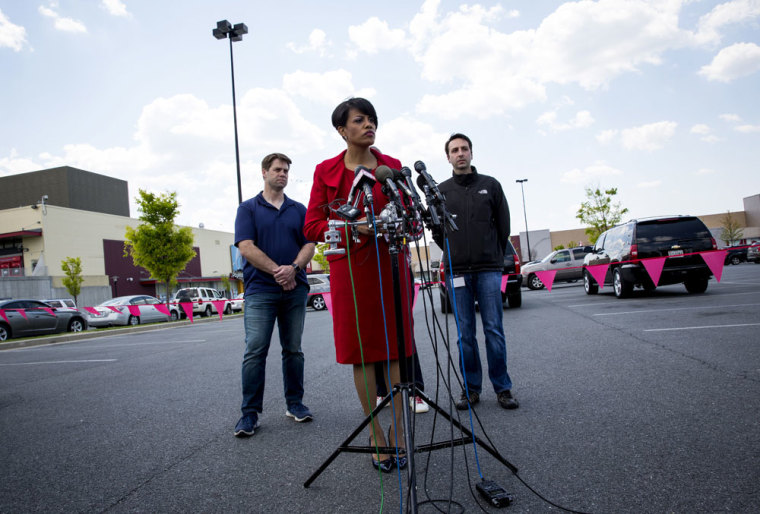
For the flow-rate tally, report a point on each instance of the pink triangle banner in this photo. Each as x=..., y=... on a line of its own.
x=547, y=277
x=92, y=310
x=219, y=304
x=714, y=261
x=49, y=310
x=134, y=310
x=598, y=272
x=23, y=314
x=162, y=308
x=328, y=302
x=115, y=309
x=654, y=268
x=188, y=308
x=2, y=313
x=416, y=292
x=504, y=279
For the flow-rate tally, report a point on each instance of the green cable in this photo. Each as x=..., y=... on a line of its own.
x=364, y=370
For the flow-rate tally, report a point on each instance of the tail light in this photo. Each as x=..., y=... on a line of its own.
x=635, y=251
x=517, y=266
x=715, y=246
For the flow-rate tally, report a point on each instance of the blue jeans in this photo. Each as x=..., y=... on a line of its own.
x=261, y=311
x=485, y=286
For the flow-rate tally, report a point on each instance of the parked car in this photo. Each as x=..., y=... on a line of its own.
x=319, y=285
x=753, y=253
x=512, y=295
x=677, y=238
x=736, y=255
x=24, y=318
x=120, y=314
x=202, y=299
x=237, y=303
x=61, y=303
x=567, y=262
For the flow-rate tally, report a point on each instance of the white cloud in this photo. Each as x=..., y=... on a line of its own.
x=116, y=8
x=374, y=35
x=727, y=13
x=731, y=118
x=733, y=62
x=62, y=23
x=595, y=171
x=410, y=140
x=747, y=129
x=318, y=43
x=11, y=36
x=648, y=137
x=582, y=119
x=705, y=133
x=650, y=184
x=329, y=88
x=607, y=136
x=705, y=171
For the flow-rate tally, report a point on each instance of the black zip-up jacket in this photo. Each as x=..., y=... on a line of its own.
x=482, y=215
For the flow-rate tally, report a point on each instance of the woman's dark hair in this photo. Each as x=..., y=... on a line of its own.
x=340, y=114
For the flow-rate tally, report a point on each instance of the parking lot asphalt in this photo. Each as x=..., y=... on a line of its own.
x=648, y=404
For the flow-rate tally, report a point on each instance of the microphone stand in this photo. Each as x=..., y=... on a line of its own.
x=405, y=388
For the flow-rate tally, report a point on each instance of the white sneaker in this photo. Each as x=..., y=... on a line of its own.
x=419, y=405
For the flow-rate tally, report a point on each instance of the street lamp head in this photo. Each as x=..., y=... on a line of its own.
x=520, y=181
x=218, y=34
x=224, y=26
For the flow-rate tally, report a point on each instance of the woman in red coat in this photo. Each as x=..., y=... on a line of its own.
x=361, y=335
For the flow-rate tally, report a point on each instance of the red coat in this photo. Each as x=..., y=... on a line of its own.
x=332, y=181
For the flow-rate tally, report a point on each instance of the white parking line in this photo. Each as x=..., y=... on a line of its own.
x=674, y=309
x=618, y=302
x=55, y=362
x=705, y=326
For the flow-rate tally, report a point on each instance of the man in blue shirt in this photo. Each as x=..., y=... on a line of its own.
x=269, y=235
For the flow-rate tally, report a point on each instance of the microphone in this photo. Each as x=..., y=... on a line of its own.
x=422, y=184
x=363, y=181
x=412, y=191
x=385, y=176
x=420, y=168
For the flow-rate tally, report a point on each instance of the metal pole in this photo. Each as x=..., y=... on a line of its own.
x=234, y=117
x=525, y=215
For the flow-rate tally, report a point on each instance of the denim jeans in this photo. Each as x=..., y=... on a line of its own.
x=261, y=311
x=485, y=286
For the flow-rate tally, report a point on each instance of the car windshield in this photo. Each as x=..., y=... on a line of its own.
x=672, y=230
x=114, y=301
x=549, y=257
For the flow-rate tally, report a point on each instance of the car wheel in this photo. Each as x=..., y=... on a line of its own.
x=589, y=284
x=735, y=260
x=228, y=310
x=76, y=325
x=445, y=303
x=318, y=302
x=622, y=288
x=174, y=315
x=534, y=282
x=514, y=300
x=5, y=332
x=207, y=312
x=133, y=320
x=696, y=285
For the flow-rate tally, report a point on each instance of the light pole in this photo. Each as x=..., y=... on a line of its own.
x=224, y=29
x=525, y=215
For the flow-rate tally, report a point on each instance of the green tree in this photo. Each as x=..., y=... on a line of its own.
x=225, y=282
x=732, y=231
x=599, y=213
x=319, y=257
x=72, y=267
x=157, y=244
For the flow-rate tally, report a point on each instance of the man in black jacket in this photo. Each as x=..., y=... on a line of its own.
x=474, y=257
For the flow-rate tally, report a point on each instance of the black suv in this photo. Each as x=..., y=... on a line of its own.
x=678, y=238
x=513, y=294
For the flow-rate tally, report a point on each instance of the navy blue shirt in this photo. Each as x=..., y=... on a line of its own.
x=276, y=232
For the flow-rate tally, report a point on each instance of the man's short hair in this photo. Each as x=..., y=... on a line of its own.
x=267, y=161
x=457, y=136
x=340, y=114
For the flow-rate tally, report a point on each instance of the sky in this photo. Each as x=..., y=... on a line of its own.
x=658, y=98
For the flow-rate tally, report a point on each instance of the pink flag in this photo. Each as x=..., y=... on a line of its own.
x=654, y=268
x=49, y=310
x=598, y=271
x=92, y=310
x=504, y=279
x=23, y=314
x=715, y=262
x=547, y=277
x=134, y=310
x=219, y=304
x=162, y=308
x=115, y=309
x=416, y=291
x=328, y=302
x=2, y=313
x=188, y=308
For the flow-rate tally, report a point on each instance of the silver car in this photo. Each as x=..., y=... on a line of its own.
x=126, y=310
x=567, y=263
x=319, y=285
x=24, y=318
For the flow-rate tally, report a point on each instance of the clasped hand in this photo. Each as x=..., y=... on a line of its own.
x=285, y=276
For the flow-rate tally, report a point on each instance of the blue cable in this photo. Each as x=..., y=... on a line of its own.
x=450, y=280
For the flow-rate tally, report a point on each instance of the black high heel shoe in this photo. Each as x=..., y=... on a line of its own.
x=401, y=461
x=386, y=466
